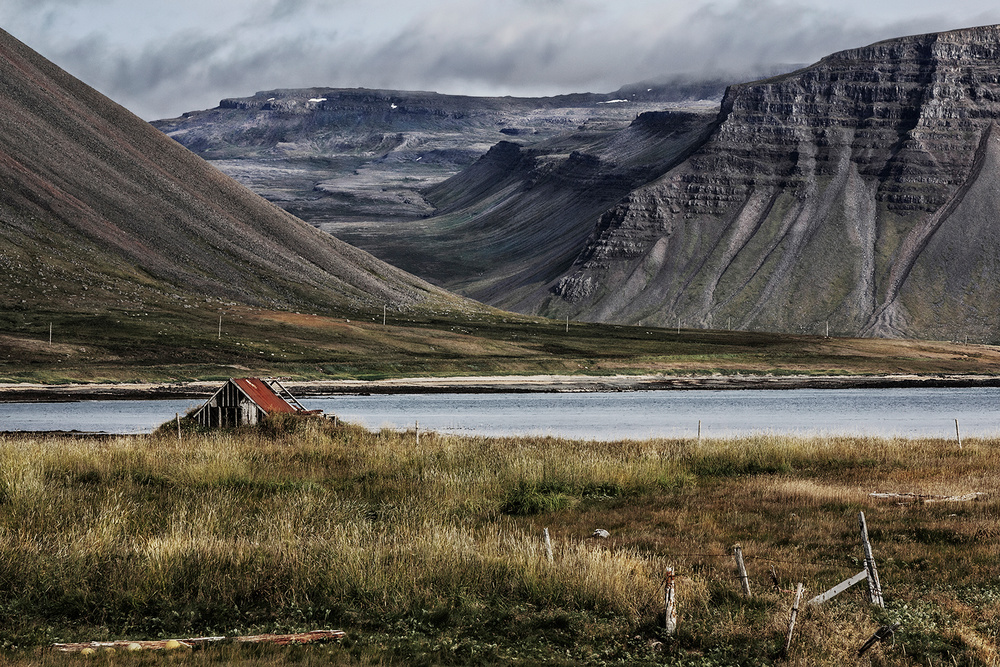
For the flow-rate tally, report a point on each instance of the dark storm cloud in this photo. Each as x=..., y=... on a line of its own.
x=503, y=47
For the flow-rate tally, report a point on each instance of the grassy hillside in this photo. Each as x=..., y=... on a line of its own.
x=432, y=554
x=182, y=342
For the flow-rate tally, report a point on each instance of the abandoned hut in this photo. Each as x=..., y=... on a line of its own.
x=245, y=401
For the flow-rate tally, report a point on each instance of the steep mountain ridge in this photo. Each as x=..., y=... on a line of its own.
x=859, y=191
x=101, y=210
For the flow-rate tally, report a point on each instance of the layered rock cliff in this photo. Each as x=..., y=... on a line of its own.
x=861, y=191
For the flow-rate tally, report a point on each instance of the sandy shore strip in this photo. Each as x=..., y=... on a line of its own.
x=494, y=384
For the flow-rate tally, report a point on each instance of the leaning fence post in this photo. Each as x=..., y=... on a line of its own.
x=178, y=415
x=741, y=569
x=791, y=621
x=548, y=544
x=880, y=635
x=670, y=604
x=958, y=435
x=874, y=586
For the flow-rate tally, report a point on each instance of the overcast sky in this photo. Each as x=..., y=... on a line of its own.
x=160, y=58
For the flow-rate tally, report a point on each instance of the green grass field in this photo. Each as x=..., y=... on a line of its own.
x=433, y=554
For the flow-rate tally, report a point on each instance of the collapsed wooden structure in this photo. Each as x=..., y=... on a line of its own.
x=245, y=402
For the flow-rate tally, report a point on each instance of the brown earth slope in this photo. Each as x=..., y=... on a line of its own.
x=98, y=209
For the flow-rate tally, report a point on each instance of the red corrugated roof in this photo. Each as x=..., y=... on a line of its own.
x=262, y=394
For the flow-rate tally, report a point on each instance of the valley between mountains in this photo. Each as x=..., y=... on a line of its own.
x=858, y=193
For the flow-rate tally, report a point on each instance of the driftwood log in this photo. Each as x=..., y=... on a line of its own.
x=314, y=636
x=927, y=498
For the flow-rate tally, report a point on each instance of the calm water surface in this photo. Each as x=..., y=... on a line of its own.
x=607, y=416
x=602, y=416
x=92, y=416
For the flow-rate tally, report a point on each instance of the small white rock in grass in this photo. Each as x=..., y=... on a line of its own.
x=134, y=647
x=601, y=533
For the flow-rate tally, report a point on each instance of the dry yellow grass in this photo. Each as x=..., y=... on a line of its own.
x=413, y=549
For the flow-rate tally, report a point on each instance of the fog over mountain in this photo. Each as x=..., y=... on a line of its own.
x=161, y=59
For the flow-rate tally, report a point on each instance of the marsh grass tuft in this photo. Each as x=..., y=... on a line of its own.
x=433, y=554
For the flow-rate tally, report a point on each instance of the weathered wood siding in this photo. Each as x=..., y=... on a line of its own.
x=229, y=407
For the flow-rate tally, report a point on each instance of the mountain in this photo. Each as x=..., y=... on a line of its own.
x=859, y=193
x=856, y=193
x=100, y=210
x=356, y=161
x=519, y=216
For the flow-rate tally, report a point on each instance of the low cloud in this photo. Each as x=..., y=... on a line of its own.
x=512, y=47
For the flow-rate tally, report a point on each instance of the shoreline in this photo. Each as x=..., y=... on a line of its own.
x=28, y=392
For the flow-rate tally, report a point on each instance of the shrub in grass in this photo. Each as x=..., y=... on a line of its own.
x=527, y=499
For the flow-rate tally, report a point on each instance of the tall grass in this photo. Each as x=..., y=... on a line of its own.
x=300, y=525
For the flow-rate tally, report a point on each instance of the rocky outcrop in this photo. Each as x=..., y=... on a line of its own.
x=860, y=191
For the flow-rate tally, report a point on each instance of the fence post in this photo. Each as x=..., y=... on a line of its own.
x=874, y=586
x=880, y=635
x=795, y=613
x=178, y=416
x=670, y=604
x=958, y=434
x=741, y=569
x=548, y=544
